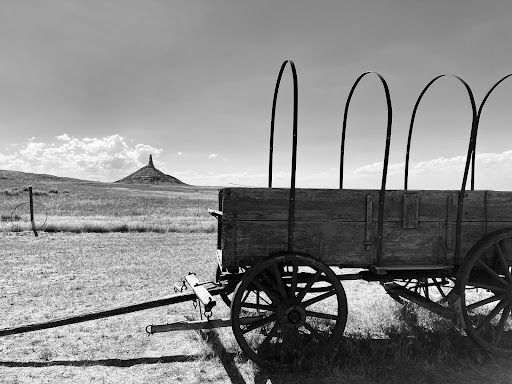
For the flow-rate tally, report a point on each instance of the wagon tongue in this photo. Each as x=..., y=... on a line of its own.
x=209, y=288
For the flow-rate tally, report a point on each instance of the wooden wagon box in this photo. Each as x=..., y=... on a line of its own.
x=340, y=226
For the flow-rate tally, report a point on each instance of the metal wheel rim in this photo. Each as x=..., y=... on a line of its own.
x=284, y=316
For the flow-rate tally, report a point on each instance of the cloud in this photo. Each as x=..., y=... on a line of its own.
x=223, y=179
x=105, y=159
x=376, y=168
x=493, y=171
x=63, y=137
x=212, y=156
x=441, y=164
x=254, y=179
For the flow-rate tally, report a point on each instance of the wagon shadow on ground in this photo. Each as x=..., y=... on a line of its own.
x=122, y=363
x=377, y=367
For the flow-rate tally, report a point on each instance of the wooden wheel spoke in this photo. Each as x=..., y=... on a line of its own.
x=246, y=295
x=321, y=315
x=441, y=292
x=318, y=298
x=283, y=352
x=309, y=284
x=269, y=337
x=315, y=333
x=261, y=298
x=502, y=323
x=293, y=286
x=258, y=323
x=503, y=262
x=262, y=307
x=491, y=316
x=279, y=280
x=265, y=289
x=484, y=302
x=440, y=285
x=492, y=273
x=425, y=290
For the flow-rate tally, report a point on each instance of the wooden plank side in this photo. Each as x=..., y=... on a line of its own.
x=431, y=205
x=412, y=245
x=350, y=205
x=472, y=232
x=499, y=206
x=410, y=213
x=338, y=244
x=245, y=243
x=228, y=245
x=331, y=224
x=310, y=204
x=487, y=206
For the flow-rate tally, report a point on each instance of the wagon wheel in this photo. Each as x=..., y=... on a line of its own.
x=288, y=308
x=436, y=289
x=485, y=284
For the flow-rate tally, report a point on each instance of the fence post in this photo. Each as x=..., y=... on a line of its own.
x=32, y=211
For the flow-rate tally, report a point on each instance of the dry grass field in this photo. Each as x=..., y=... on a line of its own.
x=108, y=245
x=101, y=207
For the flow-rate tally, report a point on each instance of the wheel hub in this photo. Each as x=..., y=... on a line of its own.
x=291, y=313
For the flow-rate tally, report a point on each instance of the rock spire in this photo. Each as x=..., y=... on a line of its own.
x=150, y=175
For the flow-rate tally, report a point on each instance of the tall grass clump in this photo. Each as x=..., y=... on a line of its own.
x=11, y=192
x=10, y=218
x=121, y=227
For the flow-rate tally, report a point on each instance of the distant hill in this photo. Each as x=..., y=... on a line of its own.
x=37, y=177
x=150, y=175
x=146, y=175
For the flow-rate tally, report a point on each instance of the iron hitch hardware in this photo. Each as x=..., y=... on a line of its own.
x=180, y=287
x=201, y=292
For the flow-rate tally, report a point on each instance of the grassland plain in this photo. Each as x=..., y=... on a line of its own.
x=106, y=207
x=63, y=273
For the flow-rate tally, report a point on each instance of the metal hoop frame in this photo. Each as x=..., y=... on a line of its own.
x=474, y=123
x=470, y=159
x=382, y=193
x=473, y=157
x=291, y=209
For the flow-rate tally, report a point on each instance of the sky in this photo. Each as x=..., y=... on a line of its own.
x=89, y=89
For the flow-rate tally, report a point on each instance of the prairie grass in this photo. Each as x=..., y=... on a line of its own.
x=63, y=274
x=103, y=208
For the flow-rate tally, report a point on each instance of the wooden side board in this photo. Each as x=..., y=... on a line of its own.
x=340, y=226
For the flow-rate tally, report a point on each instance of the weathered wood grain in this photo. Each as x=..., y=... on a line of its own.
x=410, y=211
x=333, y=224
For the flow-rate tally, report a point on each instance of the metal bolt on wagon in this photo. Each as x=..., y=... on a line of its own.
x=283, y=254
